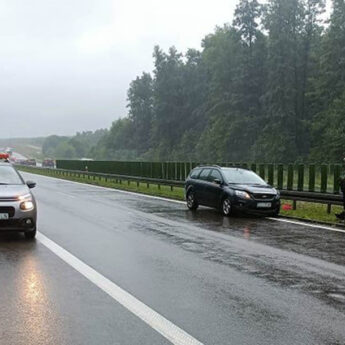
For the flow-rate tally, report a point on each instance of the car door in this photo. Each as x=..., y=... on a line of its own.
x=201, y=185
x=213, y=190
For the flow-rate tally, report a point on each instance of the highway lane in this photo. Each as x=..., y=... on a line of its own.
x=222, y=280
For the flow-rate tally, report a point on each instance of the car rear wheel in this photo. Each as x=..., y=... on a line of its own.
x=226, y=207
x=192, y=204
x=29, y=235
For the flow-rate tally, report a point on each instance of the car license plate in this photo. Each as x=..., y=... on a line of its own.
x=4, y=216
x=264, y=205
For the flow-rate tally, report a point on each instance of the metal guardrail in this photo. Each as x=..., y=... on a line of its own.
x=322, y=198
x=323, y=178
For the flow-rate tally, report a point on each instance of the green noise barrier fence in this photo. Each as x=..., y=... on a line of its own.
x=322, y=178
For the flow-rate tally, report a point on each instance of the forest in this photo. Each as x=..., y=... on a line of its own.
x=269, y=87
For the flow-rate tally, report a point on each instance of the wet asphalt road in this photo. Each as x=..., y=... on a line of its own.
x=223, y=280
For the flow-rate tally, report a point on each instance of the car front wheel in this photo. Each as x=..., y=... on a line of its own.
x=191, y=201
x=226, y=207
x=29, y=235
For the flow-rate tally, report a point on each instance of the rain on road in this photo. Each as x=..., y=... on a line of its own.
x=239, y=280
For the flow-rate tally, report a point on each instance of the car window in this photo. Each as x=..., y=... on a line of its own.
x=241, y=176
x=215, y=175
x=8, y=175
x=204, y=174
x=195, y=173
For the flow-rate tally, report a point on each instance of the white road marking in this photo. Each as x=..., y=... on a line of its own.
x=114, y=189
x=65, y=194
x=300, y=223
x=156, y=321
x=306, y=224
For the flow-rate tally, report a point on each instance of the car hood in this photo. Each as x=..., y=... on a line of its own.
x=255, y=189
x=11, y=191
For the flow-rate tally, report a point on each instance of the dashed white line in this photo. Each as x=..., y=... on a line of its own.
x=156, y=321
x=66, y=194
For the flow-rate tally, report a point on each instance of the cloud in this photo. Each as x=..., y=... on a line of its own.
x=65, y=65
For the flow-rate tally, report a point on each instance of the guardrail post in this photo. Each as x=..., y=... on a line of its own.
x=324, y=178
x=159, y=186
x=336, y=178
x=270, y=174
x=253, y=167
x=300, y=182
x=280, y=176
x=312, y=178
x=329, y=208
x=262, y=171
x=138, y=184
x=171, y=188
x=290, y=177
x=294, y=205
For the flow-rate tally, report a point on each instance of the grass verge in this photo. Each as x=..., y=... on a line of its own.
x=305, y=210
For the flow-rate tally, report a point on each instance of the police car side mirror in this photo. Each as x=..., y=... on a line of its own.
x=31, y=184
x=217, y=181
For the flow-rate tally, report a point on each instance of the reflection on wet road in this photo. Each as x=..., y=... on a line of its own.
x=223, y=280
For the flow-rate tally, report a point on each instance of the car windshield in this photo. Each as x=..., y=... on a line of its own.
x=240, y=176
x=8, y=175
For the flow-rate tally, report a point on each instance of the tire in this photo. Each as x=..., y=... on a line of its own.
x=192, y=204
x=30, y=235
x=226, y=207
x=276, y=212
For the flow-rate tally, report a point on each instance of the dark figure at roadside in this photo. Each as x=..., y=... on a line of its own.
x=341, y=215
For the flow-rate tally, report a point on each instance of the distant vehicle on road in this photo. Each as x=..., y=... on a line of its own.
x=31, y=162
x=231, y=189
x=18, y=210
x=48, y=163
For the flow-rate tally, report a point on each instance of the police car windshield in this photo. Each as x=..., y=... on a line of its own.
x=240, y=176
x=8, y=175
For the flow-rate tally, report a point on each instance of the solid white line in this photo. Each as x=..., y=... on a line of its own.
x=156, y=321
x=113, y=189
x=182, y=202
x=306, y=224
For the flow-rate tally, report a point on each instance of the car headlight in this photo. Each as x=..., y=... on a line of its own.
x=242, y=194
x=278, y=194
x=27, y=205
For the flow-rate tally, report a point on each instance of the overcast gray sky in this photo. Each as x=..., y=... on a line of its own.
x=65, y=65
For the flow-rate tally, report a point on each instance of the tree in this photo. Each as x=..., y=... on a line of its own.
x=140, y=105
x=284, y=23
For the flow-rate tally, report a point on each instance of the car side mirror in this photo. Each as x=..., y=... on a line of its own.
x=31, y=184
x=217, y=181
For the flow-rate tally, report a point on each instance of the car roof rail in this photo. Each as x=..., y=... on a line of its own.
x=208, y=166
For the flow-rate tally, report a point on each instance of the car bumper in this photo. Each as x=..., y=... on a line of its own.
x=21, y=225
x=251, y=206
x=19, y=220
